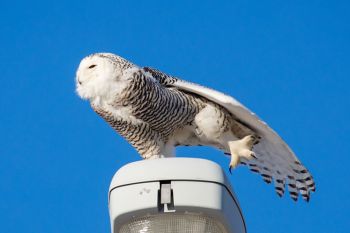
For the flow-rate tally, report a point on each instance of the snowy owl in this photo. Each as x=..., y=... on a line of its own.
x=156, y=112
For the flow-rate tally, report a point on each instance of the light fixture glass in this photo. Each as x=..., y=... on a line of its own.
x=173, y=223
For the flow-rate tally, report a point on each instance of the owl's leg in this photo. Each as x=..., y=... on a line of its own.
x=241, y=148
x=153, y=156
x=160, y=151
x=157, y=156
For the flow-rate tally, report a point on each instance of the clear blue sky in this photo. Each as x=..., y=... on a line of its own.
x=288, y=62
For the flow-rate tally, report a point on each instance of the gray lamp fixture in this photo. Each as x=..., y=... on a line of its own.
x=173, y=195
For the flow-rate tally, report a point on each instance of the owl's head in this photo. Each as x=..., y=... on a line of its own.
x=100, y=76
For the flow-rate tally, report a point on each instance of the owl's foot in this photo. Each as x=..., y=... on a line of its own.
x=152, y=156
x=242, y=148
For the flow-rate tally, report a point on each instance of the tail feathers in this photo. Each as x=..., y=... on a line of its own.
x=296, y=178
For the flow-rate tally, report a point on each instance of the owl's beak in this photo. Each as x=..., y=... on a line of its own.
x=80, y=82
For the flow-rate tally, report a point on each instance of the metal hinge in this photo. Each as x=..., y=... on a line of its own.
x=166, y=197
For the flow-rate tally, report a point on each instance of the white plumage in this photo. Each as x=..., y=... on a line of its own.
x=156, y=112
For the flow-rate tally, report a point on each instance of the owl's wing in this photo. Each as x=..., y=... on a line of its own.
x=275, y=160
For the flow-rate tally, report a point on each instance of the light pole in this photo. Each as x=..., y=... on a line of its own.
x=173, y=195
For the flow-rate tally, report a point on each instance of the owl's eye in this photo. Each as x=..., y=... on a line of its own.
x=92, y=66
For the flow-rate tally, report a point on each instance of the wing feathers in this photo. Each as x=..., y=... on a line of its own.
x=275, y=161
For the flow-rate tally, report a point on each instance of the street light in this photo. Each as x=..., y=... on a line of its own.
x=173, y=195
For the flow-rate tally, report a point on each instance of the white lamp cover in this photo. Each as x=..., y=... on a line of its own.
x=173, y=195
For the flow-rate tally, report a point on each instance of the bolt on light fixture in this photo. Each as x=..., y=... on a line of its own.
x=171, y=195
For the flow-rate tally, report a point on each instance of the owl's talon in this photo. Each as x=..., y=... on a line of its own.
x=253, y=155
x=241, y=149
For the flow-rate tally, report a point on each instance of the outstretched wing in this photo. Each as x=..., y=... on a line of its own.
x=275, y=160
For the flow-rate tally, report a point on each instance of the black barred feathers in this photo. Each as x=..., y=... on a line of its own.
x=162, y=78
x=296, y=177
x=156, y=113
x=162, y=108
